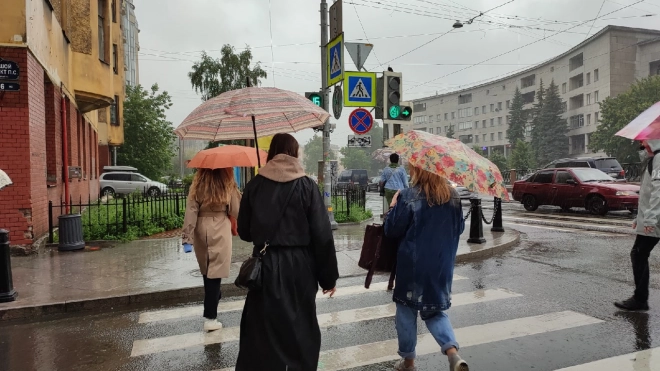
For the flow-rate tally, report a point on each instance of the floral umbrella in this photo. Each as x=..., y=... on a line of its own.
x=645, y=126
x=251, y=112
x=452, y=159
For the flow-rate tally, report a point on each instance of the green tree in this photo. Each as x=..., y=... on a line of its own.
x=450, y=132
x=313, y=153
x=522, y=157
x=355, y=158
x=498, y=159
x=537, y=114
x=212, y=77
x=516, y=130
x=615, y=113
x=551, y=129
x=148, y=136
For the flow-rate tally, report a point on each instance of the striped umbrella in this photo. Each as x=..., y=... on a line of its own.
x=251, y=112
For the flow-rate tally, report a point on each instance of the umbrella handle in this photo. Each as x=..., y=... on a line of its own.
x=256, y=142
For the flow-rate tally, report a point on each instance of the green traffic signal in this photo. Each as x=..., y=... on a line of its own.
x=406, y=112
x=395, y=111
x=316, y=98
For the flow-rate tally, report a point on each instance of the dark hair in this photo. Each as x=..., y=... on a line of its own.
x=283, y=144
x=394, y=158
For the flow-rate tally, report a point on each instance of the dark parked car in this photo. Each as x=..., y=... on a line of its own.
x=374, y=182
x=462, y=191
x=608, y=165
x=352, y=178
x=576, y=187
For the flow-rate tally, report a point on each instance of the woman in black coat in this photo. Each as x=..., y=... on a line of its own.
x=279, y=328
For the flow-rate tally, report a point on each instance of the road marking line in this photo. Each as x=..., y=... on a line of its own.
x=647, y=360
x=231, y=306
x=582, y=231
x=385, y=351
x=150, y=346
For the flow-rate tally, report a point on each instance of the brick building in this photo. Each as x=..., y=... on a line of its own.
x=65, y=111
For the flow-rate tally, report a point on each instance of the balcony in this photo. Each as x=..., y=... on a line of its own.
x=576, y=62
x=576, y=82
x=576, y=102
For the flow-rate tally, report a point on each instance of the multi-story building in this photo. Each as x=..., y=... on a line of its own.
x=63, y=79
x=130, y=30
x=604, y=65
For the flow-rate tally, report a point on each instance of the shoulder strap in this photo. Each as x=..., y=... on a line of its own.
x=279, y=220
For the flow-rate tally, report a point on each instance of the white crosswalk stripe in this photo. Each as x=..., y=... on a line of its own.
x=149, y=346
x=383, y=350
x=230, y=306
x=646, y=360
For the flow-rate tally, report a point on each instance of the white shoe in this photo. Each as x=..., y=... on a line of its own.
x=212, y=325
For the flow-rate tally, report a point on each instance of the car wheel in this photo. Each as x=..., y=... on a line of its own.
x=530, y=203
x=107, y=191
x=153, y=192
x=597, y=205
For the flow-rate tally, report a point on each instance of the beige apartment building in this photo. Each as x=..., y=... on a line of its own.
x=604, y=65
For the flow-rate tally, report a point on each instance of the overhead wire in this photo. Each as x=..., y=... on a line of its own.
x=272, y=52
x=592, y=23
x=364, y=31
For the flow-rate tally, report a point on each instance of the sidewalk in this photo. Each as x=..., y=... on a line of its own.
x=146, y=271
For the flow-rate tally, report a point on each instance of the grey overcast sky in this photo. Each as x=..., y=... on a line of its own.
x=173, y=32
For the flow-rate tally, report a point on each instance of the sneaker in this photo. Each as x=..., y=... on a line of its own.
x=400, y=365
x=456, y=363
x=632, y=304
x=212, y=325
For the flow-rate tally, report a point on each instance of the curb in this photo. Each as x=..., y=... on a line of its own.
x=354, y=224
x=184, y=295
x=612, y=229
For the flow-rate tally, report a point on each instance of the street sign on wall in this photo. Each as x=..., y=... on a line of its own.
x=335, y=55
x=9, y=86
x=360, y=89
x=9, y=70
x=360, y=121
x=362, y=141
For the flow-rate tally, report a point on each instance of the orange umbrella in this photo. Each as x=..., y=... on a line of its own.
x=227, y=156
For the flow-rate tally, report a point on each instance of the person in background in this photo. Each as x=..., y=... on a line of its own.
x=279, y=327
x=427, y=219
x=647, y=225
x=393, y=178
x=213, y=200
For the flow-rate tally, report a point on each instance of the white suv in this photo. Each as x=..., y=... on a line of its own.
x=125, y=180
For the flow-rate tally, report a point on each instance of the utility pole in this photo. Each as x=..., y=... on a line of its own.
x=327, y=175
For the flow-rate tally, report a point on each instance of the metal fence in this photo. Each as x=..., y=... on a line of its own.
x=345, y=199
x=113, y=216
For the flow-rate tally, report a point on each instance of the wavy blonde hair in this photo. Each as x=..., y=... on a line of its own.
x=213, y=186
x=435, y=188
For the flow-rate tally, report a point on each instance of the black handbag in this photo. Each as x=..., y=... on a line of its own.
x=249, y=276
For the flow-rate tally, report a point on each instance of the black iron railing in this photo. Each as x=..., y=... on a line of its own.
x=349, y=198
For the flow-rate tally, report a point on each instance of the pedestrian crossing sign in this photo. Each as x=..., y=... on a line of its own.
x=335, y=59
x=360, y=89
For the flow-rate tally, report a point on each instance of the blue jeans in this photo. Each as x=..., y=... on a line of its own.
x=436, y=321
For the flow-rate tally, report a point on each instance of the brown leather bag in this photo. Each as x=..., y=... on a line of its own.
x=378, y=254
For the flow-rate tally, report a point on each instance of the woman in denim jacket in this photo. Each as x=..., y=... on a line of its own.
x=428, y=220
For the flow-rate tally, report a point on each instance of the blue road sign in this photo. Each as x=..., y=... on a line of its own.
x=335, y=54
x=360, y=121
x=360, y=89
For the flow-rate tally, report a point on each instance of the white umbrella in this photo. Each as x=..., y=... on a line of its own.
x=4, y=180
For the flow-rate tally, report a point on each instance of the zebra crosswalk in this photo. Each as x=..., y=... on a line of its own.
x=361, y=311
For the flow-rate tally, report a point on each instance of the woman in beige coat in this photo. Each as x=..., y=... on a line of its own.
x=213, y=198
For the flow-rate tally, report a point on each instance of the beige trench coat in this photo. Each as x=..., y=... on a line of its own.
x=208, y=229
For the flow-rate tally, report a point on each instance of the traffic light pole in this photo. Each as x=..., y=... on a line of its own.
x=327, y=175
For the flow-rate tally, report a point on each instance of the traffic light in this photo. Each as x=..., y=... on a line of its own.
x=392, y=95
x=315, y=97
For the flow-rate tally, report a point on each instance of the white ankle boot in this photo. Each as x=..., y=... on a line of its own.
x=212, y=325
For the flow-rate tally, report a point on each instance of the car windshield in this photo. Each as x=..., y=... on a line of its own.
x=592, y=175
x=607, y=163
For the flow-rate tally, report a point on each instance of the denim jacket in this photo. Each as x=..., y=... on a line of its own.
x=429, y=238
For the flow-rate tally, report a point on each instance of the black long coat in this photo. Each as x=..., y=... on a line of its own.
x=279, y=327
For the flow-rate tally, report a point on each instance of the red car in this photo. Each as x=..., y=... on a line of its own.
x=576, y=187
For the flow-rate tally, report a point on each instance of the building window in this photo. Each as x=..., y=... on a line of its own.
x=476, y=139
x=438, y=130
x=596, y=75
x=483, y=123
x=114, y=112
x=576, y=82
x=563, y=88
x=499, y=136
x=499, y=121
x=483, y=109
x=577, y=121
x=476, y=111
x=431, y=130
x=596, y=118
x=465, y=126
x=596, y=96
x=492, y=107
x=499, y=106
x=589, y=119
x=446, y=116
x=453, y=115
x=576, y=62
x=492, y=122
x=476, y=124
x=113, y=9
x=485, y=138
x=589, y=99
x=654, y=68
x=487, y=91
x=508, y=104
x=577, y=102
x=528, y=81
x=439, y=118
x=115, y=59
x=528, y=97
x=430, y=119
x=564, y=107
x=446, y=128
x=492, y=137
x=464, y=98
x=588, y=78
x=102, y=38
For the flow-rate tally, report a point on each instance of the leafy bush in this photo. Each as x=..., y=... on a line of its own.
x=357, y=215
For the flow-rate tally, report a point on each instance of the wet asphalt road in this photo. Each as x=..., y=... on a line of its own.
x=552, y=271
